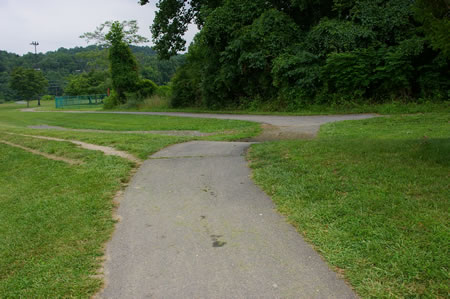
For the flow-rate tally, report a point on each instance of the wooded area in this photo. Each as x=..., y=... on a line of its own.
x=82, y=70
x=285, y=54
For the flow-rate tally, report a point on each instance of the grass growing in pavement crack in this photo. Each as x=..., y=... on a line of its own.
x=372, y=196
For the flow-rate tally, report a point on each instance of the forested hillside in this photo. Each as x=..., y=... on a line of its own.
x=285, y=54
x=82, y=69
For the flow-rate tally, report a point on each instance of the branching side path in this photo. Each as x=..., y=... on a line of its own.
x=194, y=225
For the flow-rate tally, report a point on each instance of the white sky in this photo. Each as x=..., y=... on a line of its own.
x=59, y=23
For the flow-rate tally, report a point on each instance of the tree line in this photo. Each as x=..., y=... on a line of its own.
x=285, y=54
x=80, y=70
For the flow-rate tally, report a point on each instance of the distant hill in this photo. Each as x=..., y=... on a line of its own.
x=58, y=65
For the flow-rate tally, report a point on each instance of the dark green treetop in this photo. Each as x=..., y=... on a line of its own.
x=123, y=64
x=28, y=83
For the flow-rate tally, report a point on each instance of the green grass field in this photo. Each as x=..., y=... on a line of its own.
x=118, y=122
x=56, y=217
x=373, y=197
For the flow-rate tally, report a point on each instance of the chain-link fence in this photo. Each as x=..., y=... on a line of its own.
x=79, y=101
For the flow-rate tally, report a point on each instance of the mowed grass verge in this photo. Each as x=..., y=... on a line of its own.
x=56, y=217
x=373, y=197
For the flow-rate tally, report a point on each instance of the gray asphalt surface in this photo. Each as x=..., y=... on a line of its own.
x=276, y=120
x=278, y=127
x=275, y=127
x=195, y=226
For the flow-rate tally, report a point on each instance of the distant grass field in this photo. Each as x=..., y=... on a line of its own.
x=119, y=122
x=373, y=197
x=55, y=217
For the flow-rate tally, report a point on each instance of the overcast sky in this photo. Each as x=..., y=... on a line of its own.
x=59, y=23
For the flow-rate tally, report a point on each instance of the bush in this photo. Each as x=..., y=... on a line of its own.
x=186, y=88
x=48, y=98
x=348, y=74
x=164, y=91
x=155, y=102
x=298, y=78
x=111, y=101
x=145, y=88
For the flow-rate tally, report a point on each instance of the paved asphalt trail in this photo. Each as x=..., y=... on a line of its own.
x=280, y=127
x=194, y=225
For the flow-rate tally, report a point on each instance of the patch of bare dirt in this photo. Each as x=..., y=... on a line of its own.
x=159, y=132
x=48, y=156
x=101, y=272
x=28, y=110
x=274, y=133
x=105, y=149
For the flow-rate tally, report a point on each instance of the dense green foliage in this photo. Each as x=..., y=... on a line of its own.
x=129, y=88
x=28, y=83
x=288, y=54
x=123, y=64
x=82, y=70
x=92, y=82
x=172, y=19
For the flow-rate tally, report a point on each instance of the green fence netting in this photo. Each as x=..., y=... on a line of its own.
x=74, y=101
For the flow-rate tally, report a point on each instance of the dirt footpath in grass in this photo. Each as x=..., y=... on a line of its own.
x=107, y=150
x=48, y=156
x=167, y=132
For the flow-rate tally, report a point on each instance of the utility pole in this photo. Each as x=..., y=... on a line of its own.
x=35, y=44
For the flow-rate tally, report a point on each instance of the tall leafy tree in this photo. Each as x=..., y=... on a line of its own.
x=93, y=82
x=435, y=18
x=172, y=19
x=283, y=54
x=123, y=64
x=61, y=65
x=28, y=84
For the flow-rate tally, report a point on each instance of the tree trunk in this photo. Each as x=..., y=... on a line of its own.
x=28, y=104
